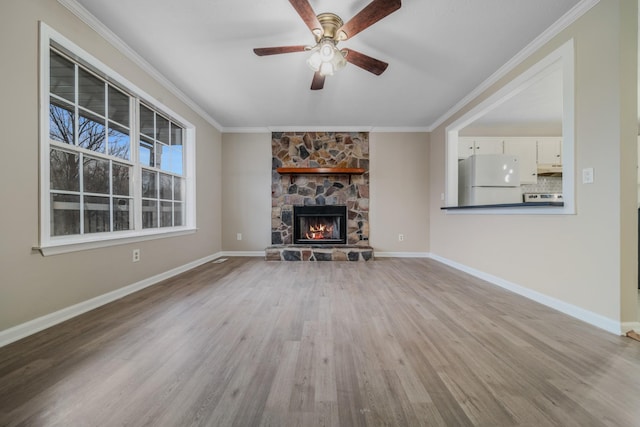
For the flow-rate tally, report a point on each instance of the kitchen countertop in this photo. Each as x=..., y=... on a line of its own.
x=505, y=205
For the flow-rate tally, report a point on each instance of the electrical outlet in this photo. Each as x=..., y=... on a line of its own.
x=239, y=236
x=400, y=237
x=136, y=255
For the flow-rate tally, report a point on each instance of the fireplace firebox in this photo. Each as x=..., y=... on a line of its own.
x=320, y=224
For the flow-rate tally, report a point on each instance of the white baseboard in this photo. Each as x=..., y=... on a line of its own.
x=401, y=254
x=375, y=253
x=587, y=316
x=243, y=253
x=36, y=325
x=630, y=326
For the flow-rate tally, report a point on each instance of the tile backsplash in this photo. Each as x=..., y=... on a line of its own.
x=546, y=184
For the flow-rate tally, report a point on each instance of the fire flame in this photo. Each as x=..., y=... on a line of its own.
x=319, y=232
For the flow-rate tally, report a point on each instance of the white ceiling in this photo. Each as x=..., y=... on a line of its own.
x=538, y=107
x=438, y=52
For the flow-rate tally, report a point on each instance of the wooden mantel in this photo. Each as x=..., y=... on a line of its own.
x=320, y=171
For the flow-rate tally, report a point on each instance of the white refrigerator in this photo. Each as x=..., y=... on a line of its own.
x=489, y=179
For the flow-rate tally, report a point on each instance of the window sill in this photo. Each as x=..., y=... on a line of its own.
x=63, y=247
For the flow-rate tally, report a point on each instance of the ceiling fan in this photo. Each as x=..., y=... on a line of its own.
x=328, y=30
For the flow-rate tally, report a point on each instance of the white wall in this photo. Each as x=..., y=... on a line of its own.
x=587, y=260
x=31, y=285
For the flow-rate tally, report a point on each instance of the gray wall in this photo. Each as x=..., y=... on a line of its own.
x=32, y=285
x=398, y=180
x=587, y=260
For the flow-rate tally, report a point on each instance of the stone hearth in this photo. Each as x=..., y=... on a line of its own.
x=319, y=253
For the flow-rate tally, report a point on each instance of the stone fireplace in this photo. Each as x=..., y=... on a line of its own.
x=299, y=190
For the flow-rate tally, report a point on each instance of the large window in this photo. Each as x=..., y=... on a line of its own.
x=114, y=163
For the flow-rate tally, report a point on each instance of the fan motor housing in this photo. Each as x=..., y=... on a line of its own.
x=331, y=23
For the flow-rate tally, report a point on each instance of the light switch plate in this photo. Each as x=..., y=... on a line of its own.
x=587, y=176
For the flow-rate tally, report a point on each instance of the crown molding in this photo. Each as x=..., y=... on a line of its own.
x=400, y=129
x=320, y=128
x=246, y=130
x=270, y=129
x=85, y=16
x=567, y=19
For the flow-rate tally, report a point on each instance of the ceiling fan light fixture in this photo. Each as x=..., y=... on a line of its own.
x=328, y=30
x=314, y=61
x=326, y=58
x=326, y=69
x=327, y=51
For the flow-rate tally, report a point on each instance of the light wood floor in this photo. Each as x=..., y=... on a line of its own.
x=397, y=342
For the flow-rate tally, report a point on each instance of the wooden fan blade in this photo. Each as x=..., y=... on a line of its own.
x=365, y=62
x=307, y=14
x=318, y=81
x=372, y=13
x=262, y=51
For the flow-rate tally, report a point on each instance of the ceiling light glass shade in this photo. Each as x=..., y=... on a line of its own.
x=326, y=58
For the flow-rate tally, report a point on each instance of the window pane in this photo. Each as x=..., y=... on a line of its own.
x=62, y=77
x=149, y=214
x=178, y=214
x=96, y=214
x=63, y=171
x=159, y=157
x=90, y=92
x=177, y=188
x=65, y=214
x=169, y=158
x=146, y=121
x=122, y=214
x=162, y=129
x=166, y=214
x=146, y=152
x=176, y=135
x=91, y=132
x=149, y=188
x=119, y=141
x=96, y=175
x=120, y=175
x=61, y=122
x=118, y=106
x=165, y=187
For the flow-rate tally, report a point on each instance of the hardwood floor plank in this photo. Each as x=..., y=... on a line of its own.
x=397, y=342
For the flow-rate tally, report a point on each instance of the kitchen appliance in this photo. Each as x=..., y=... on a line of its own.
x=549, y=169
x=542, y=197
x=489, y=179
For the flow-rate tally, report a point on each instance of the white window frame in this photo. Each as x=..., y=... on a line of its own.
x=563, y=58
x=51, y=245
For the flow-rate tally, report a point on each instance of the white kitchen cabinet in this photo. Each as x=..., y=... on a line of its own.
x=526, y=150
x=489, y=146
x=465, y=147
x=468, y=146
x=550, y=150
